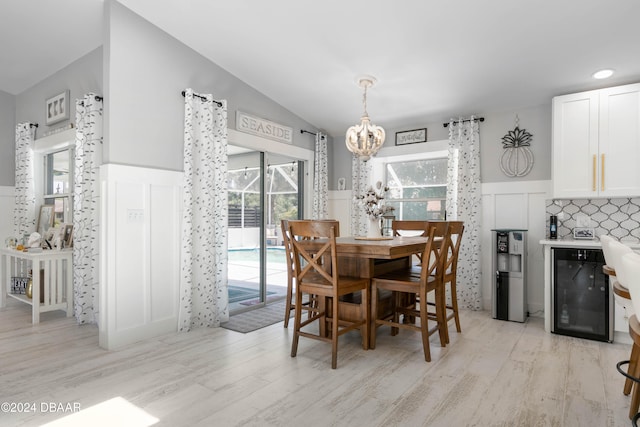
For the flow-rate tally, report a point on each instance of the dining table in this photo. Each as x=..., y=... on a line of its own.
x=368, y=257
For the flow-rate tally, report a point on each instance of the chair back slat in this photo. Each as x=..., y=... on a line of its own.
x=286, y=238
x=409, y=227
x=433, y=256
x=319, y=261
x=456, y=228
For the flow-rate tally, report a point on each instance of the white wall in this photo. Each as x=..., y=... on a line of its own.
x=536, y=120
x=516, y=205
x=145, y=71
x=7, y=203
x=505, y=205
x=139, y=253
x=339, y=208
x=81, y=76
x=7, y=138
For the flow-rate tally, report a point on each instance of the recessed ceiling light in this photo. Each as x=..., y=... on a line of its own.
x=603, y=74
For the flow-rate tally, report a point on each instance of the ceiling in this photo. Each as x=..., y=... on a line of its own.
x=433, y=60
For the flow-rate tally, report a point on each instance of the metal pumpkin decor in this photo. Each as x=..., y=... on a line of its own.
x=517, y=158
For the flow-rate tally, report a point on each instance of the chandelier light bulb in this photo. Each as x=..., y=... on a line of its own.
x=365, y=139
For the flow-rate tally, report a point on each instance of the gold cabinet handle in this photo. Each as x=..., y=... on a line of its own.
x=602, y=172
x=595, y=159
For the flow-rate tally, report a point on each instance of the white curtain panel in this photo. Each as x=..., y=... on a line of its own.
x=203, y=279
x=86, y=208
x=24, y=214
x=360, y=172
x=320, y=179
x=464, y=203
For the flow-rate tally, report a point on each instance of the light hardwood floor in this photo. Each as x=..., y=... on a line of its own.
x=493, y=374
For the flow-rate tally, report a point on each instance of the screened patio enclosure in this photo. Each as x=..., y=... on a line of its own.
x=281, y=202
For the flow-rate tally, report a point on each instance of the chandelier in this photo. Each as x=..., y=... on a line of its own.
x=365, y=139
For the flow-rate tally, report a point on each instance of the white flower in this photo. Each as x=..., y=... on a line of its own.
x=372, y=201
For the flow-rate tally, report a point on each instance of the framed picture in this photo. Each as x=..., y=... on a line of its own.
x=342, y=184
x=57, y=108
x=45, y=219
x=68, y=235
x=411, y=136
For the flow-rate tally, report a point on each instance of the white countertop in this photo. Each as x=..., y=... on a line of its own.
x=580, y=243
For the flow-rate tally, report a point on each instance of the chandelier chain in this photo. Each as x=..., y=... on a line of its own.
x=364, y=99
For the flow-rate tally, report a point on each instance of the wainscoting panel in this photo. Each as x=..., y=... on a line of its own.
x=340, y=209
x=7, y=203
x=140, y=253
x=519, y=204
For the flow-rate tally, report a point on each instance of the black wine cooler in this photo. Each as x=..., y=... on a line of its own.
x=581, y=302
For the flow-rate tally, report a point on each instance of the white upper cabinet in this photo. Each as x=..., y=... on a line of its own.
x=596, y=143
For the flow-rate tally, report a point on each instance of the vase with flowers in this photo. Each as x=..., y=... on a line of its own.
x=374, y=206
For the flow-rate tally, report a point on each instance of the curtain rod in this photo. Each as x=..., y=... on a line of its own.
x=204, y=98
x=479, y=119
x=312, y=133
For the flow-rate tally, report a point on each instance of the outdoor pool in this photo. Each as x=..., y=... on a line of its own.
x=275, y=254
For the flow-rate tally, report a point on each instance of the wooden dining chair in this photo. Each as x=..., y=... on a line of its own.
x=289, y=303
x=450, y=267
x=316, y=273
x=420, y=228
x=411, y=282
x=410, y=228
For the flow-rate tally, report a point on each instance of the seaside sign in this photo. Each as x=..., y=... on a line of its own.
x=265, y=128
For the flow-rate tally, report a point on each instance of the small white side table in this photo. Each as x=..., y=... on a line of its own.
x=58, y=279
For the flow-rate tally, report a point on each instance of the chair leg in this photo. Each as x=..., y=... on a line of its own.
x=374, y=315
x=424, y=325
x=287, y=308
x=635, y=392
x=296, y=323
x=334, y=335
x=635, y=401
x=441, y=315
x=366, y=312
x=454, y=304
x=633, y=362
x=395, y=303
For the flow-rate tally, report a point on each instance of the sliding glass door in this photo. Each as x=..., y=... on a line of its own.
x=263, y=189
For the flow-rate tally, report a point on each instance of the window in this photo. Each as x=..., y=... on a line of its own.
x=58, y=184
x=418, y=188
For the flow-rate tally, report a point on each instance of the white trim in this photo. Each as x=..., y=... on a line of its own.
x=56, y=141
